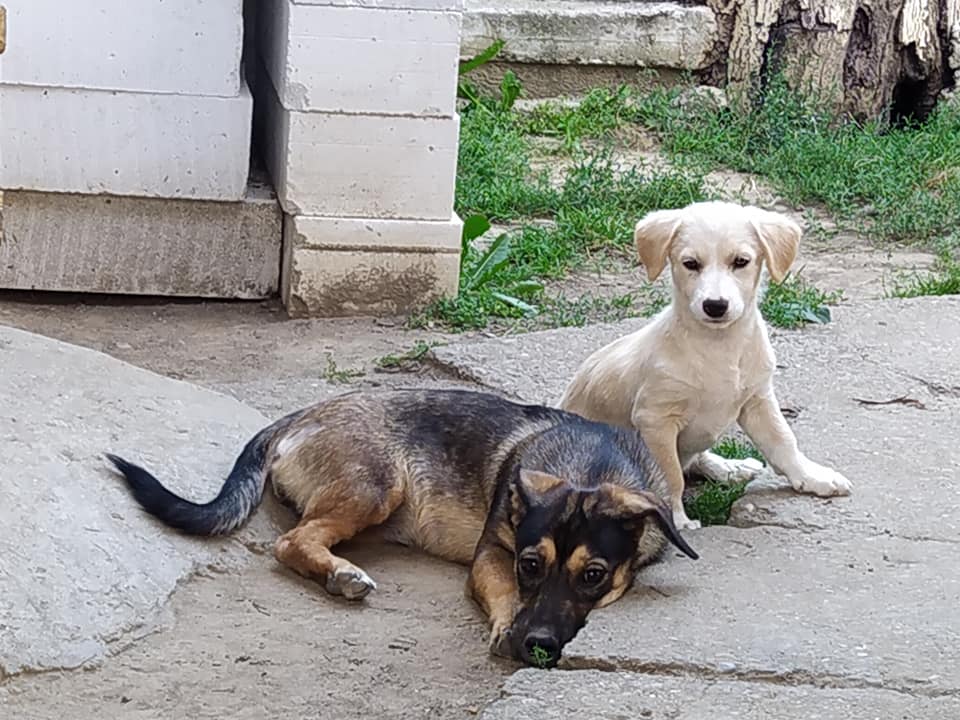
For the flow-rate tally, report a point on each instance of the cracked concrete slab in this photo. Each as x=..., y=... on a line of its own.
x=594, y=695
x=81, y=566
x=903, y=459
x=847, y=592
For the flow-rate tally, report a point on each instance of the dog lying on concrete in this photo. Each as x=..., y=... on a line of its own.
x=706, y=360
x=553, y=513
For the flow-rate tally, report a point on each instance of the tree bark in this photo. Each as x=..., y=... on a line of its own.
x=865, y=58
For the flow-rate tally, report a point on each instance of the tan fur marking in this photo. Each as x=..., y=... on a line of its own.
x=493, y=585
x=548, y=551
x=540, y=483
x=578, y=560
x=621, y=583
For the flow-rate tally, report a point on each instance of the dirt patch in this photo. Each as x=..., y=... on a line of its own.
x=266, y=643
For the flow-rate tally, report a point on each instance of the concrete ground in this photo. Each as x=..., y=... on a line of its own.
x=804, y=608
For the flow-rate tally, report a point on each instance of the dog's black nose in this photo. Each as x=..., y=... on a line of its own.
x=541, y=648
x=715, y=308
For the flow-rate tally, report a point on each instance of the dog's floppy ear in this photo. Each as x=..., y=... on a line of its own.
x=639, y=506
x=779, y=237
x=531, y=489
x=653, y=236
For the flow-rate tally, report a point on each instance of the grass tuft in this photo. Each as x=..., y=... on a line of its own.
x=794, y=302
x=942, y=279
x=713, y=501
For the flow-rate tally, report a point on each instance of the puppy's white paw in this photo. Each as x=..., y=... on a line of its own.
x=723, y=470
x=351, y=582
x=821, y=481
x=682, y=522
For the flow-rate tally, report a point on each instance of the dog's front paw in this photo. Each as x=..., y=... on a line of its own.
x=682, y=522
x=501, y=641
x=351, y=582
x=822, y=481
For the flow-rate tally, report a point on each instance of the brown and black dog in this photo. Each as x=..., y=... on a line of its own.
x=553, y=513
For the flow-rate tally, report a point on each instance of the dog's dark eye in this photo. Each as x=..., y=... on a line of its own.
x=530, y=565
x=741, y=262
x=594, y=575
x=691, y=264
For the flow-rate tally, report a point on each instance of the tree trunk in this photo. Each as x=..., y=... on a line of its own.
x=865, y=57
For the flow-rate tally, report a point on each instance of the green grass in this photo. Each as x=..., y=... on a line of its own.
x=900, y=183
x=335, y=374
x=591, y=215
x=794, y=303
x=405, y=359
x=942, y=279
x=897, y=183
x=713, y=500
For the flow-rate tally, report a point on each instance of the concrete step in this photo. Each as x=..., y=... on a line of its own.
x=564, y=46
x=141, y=246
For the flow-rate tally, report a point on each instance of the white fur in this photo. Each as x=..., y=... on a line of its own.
x=685, y=378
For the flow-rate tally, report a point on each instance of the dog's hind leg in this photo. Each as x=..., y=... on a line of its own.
x=336, y=512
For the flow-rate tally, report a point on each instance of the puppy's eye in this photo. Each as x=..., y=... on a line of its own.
x=691, y=264
x=530, y=566
x=741, y=262
x=594, y=575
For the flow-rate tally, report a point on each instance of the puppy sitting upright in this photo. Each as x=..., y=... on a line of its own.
x=706, y=360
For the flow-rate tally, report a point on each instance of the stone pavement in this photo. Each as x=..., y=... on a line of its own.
x=803, y=608
x=806, y=606
x=80, y=568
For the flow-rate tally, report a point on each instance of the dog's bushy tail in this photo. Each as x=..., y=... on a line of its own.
x=238, y=498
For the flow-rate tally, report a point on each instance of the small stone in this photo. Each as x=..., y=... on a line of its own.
x=701, y=97
x=726, y=667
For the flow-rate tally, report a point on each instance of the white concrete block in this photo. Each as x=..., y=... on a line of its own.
x=359, y=59
x=453, y=5
x=360, y=165
x=367, y=266
x=93, y=141
x=167, y=46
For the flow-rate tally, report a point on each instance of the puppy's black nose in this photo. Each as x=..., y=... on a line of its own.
x=541, y=648
x=715, y=308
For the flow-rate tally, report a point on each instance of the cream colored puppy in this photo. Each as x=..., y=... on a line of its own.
x=705, y=361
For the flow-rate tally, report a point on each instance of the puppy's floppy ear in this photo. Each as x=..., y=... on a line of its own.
x=639, y=506
x=529, y=490
x=779, y=237
x=653, y=236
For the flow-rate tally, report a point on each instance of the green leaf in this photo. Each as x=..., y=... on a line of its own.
x=492, y=260
x=526, y=308
x=482, y=59
x=526, y=287
x=510, y=89
x=817, y=316
x=473, y=227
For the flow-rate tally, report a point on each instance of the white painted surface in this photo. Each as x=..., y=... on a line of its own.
x=359, y=59
x=361, y=165
x=367, y=266
x=92, y=141
x=166, y=46
x=355, y=234
x=455, y=5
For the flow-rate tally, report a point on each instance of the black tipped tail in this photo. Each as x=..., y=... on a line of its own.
x=236, y=501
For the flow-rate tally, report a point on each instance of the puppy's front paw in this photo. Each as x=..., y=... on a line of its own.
x=682, y=522
x=821, y=481
x=501, y=641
